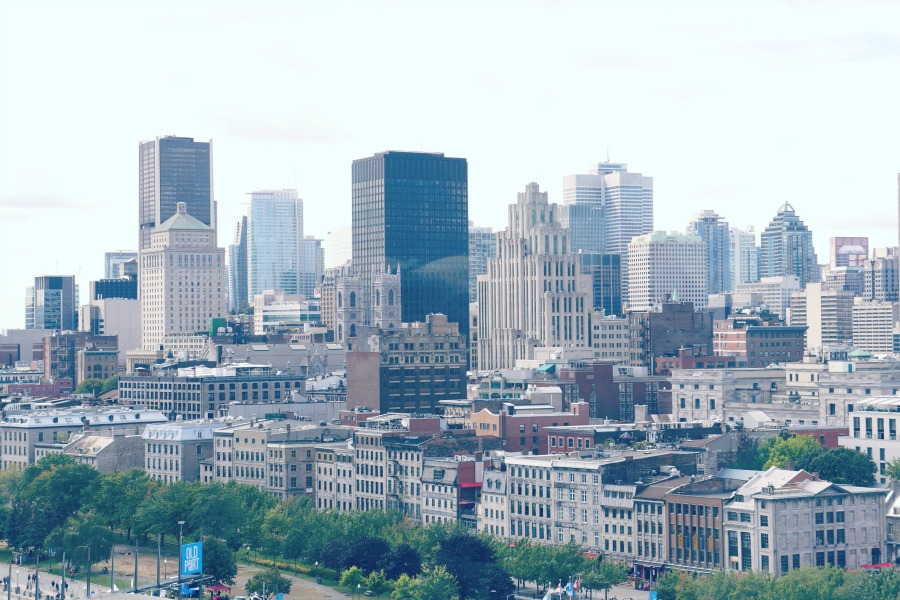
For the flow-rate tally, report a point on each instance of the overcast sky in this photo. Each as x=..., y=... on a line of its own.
x=731, y=106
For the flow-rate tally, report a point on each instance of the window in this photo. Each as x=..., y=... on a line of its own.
x=764, y=540
x=763, y=520
x=784, y=563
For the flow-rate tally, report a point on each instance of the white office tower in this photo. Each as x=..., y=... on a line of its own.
x=183, y=278
x=274, y=242
x=827, y=314
x=667, y=267
x=533, y=293
x=882, y=275
x=237, y=268
x=873, y=325
x=338, y=247
x=482, y=248
x=713, y=230
x=743, y=251
x=605, y=209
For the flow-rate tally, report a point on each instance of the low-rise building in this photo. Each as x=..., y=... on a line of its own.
x=173, y=451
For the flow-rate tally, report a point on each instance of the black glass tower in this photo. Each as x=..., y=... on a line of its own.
x=173, y=170
x=410, y=210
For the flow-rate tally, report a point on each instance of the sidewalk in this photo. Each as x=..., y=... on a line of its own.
x=18, y=579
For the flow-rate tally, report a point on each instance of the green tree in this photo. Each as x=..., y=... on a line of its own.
x=267, y=582
x=377, y=583
x=789, y=452
x=471, y=560
x=49, y=492
x=90, y=386
x=79, y=530
x=747, y=455
x=159, y=513
x=117, y=496
x=604, y=576
x=892, y=469
x=404, y=588
x=110, y=384
x=367, y=552
x=402, y=559
x=351, y=578
x=437, y=582
x=219, y=560
x=843, y=465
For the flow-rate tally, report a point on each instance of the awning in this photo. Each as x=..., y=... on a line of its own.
x=469, y=484
x=548, y=368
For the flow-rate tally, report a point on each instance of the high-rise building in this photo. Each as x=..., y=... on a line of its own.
x=744, y=254
x=827, y=314
x=606, y=208
x=882, y=275
x=237, y=268
x=787, y=248
x=874, y=324
x=534, y=293
x=666, y=267
x=410, y=214
x=605, y=271
x=274, y=242
x=849, y=251
x=173, y=170
x=713, y=230
x=482, y=248
x=183, y=280
x=114, y=264
x=114, y=288
x=312, y=266
x=338, y=247
x=52, y=303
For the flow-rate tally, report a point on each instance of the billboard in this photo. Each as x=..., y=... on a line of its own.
x=192, y=558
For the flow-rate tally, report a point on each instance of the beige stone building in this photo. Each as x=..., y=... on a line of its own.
x=534, y=293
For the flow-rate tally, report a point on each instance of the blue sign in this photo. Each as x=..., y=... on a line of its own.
x=653, y=595
x=192, y=558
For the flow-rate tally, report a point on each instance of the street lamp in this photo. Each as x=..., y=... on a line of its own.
x=180, y=542
x=358, y=589
x=88, y=546
x=316, y=572
x=166, y=567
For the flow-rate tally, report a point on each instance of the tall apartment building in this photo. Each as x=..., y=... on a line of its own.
x=713, y=230
x=174, y=170
x=183, y=281
x=482, y=248
x=786, y=248
x=882, y=275
x=274, y=242
x=116, y=265
x=238, y=283
x=534, y=293
x=849, y=251
x=744, y=254
x=663, y=333
x=827, y=315
x=665, y=267
x=873, y=325
x=411, y=215
x=52, y=303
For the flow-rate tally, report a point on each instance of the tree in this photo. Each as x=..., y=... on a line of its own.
x=404, y=588
x=471, y=560
x=893, y=469
x=268, y=581
x=402, y=559
x=79, y=530
x=747, y=455
x=366, y=552
x=219, y=560
x=160, y=512
x=377, y=583
x=92, y=386
x=117, y=496
x=604, y=576
x=437, y=583
x=351, y=578
x=789, y=452
x=843, y=465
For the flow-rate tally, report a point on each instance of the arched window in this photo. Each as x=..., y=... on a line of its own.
x=340, y=332
x=377, y=297
x=390, y=297
x=340, y=300
x=352, y=329
x=352, y=299
x=391, y=327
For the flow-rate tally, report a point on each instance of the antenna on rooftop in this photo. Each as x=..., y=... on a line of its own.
x=607, y=154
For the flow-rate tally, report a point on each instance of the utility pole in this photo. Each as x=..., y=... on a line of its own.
x=158, y=553
x=135, y=566
x=62, y=586
x=89, y=572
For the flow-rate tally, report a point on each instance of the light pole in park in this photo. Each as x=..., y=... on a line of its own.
x=166, y=567
x=88, y=589
x=180, y=538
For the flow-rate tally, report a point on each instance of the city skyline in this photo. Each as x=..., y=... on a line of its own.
x=728, y=89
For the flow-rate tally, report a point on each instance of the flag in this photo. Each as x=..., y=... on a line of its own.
x=569, y=589
x=577, y=586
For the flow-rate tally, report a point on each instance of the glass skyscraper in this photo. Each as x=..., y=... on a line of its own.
x=52, y=303
x=274, y=242
x=786, y=248
x=713, y=230
x=410, y=210
x=173, y=170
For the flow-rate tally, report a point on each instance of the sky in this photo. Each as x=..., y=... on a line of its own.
x=731, y=106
